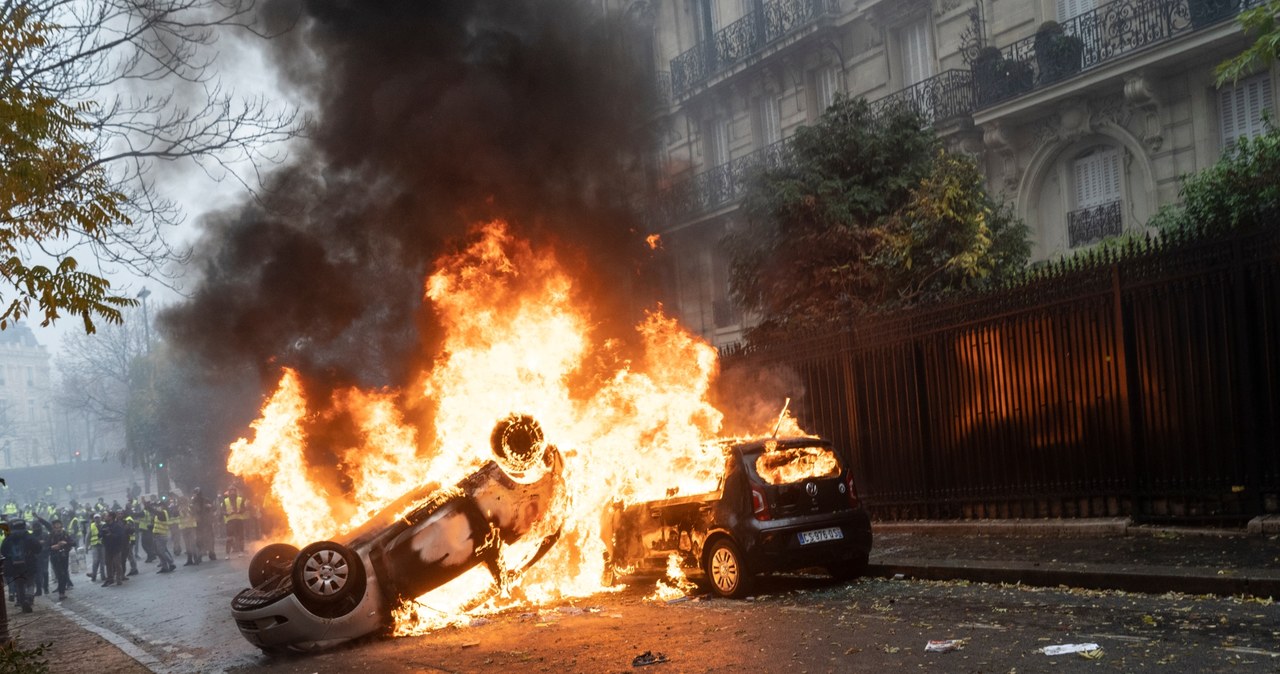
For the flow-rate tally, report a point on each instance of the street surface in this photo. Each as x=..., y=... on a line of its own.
x=797, y=623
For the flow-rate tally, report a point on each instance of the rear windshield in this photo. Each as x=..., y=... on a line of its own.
x=788, y=465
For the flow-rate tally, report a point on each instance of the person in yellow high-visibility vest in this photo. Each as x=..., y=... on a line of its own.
x=234, y=513
x=160, y=536
x=187, y=520
x=93, y=540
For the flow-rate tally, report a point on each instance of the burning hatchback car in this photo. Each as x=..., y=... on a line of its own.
x=336, y=591
x=781, y=504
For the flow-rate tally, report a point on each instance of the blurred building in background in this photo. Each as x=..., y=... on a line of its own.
x=26, y=424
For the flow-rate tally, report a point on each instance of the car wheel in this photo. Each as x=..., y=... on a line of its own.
x=725, y=570
x=325, y=573
x=519, y=448
x=274, y=560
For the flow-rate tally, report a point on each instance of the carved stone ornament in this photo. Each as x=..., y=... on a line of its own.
x=998, y=138
x=1139, y=92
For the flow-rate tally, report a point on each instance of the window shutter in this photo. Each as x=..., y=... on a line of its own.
x=1070, y=9
x=917, y=56
x=1097, y=178
x=1242, y=108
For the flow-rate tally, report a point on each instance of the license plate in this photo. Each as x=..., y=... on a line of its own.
x=820, y=535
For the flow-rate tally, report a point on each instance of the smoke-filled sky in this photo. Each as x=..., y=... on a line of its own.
x=429, y=117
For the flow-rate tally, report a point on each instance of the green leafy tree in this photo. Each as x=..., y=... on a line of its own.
x=50, y=190
x=1260, y=22
x=868, y=213
x=950, y=235
x=96, y=96
x=1240, y=191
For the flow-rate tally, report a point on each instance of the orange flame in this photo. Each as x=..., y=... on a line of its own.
x=518, y=336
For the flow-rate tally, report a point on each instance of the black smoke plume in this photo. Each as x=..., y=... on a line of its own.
x=429, y=116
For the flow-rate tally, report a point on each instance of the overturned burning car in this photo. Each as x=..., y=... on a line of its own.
x=335, y=591
x=782, y=504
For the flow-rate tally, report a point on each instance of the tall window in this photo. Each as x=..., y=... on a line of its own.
x=768, y=121
x=1242, y=108
x=1069, y=9
x=717, y=142
x=1098, y=213
x=826, y=84
x=917, y=52
x=708, y=20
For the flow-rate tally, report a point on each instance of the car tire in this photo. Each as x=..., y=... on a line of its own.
x=727, y=573
x=326, y=573
x=275, y=559
x=519, y=448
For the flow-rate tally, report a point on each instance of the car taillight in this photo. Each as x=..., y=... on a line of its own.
x=853, y=491
x=759, y=504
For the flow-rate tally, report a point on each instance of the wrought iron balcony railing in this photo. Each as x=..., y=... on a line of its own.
x=1091, y=225
x=715, y=187
x=944, y=96
x=744, y=38
x=1091, y=39
x=947, y=95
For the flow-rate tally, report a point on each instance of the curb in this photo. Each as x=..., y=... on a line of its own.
x=1154, y=580
x=1081, y=528
x=1070, y=528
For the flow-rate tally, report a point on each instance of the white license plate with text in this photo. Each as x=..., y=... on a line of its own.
x=820, y=535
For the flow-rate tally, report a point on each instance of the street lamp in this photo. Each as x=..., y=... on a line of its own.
x=146, y=322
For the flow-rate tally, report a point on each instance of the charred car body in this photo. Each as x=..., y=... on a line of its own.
x=334, y=591
x=782, y=504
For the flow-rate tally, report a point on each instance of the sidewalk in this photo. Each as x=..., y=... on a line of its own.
x=1104, y=554
x=73, y=647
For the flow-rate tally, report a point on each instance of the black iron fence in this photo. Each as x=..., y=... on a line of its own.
x=739, y=41
x=1090, y=39
x=1143, y=384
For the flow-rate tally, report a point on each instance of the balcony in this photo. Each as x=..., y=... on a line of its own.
x=1089, y=40
x=947, y=95
x=741, y=40
x=715, y=187
x=1091, y=225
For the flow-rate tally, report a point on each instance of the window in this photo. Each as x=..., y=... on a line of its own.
x=1241, y=109
x=826, y=84
x=31, y=376
x=708, y=20
x=1097, y=175
x=717, y=142
x=1098, y=212
x=768, y=122
x=917, y=52
x=1069, y=9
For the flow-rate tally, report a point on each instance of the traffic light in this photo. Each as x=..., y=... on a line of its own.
x=160, y=465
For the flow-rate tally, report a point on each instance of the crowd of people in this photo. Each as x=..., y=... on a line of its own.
x=44, y=545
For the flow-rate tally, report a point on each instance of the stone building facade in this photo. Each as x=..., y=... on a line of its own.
x=1083, y=125
x=26, y=429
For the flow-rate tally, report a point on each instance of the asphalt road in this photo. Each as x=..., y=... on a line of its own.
x=796, y=624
